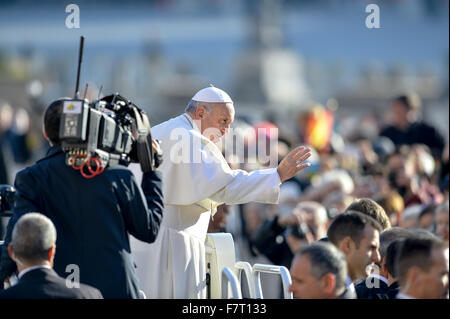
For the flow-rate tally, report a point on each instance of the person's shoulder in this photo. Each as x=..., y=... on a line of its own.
x=423, y=127
x=174, y=121
x=61, y=289
x=89, y=292
x=25, y=175
x=175, y=126
x=118, y=170
x=362, y=291
x=118, y=173
x=24, y=172
x=348, y=294
x=44, y=164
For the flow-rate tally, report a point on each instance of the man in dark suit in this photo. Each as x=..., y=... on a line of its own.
x=33, y=248
x=94, y=217
x=378, y=284
x=357, y=236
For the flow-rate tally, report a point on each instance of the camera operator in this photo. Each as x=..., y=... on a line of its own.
x=93, y=217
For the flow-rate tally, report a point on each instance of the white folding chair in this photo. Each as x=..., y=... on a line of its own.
x=271, y=269
x=229, y=278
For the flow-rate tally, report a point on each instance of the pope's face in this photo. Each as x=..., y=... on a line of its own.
x=215, y=120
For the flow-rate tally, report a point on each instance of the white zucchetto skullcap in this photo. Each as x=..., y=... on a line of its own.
x=212, y=95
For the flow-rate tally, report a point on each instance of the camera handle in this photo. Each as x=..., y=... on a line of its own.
x=144, y=142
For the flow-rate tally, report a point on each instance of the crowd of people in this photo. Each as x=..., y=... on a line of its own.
x=398, y=176
x=366, y=218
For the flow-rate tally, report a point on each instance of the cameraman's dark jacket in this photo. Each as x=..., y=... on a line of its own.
x=92, y=218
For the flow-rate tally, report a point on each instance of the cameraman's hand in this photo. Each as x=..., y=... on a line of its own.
x=157, y=153
x=156, y=147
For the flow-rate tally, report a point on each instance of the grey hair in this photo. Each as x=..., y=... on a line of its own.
x=326, y=258
x=32, y=237
x=193, y=105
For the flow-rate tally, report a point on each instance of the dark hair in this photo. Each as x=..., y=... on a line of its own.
x=324, y=259
x=416, y=252
x=391, y=256
x=390, y=235
x=52, y=119
x=369, y=207
x=410, y=101
x=350, y=224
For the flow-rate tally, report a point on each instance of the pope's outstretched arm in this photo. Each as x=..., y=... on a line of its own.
x=262, y=185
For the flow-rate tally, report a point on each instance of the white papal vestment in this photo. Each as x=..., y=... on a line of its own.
x=196, y=179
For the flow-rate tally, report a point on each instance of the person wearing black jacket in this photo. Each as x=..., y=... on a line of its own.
x=93, y=217
x=33, y=248
x=407, y=130
x=382, y=284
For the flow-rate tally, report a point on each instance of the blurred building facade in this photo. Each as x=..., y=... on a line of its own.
x=273, y=57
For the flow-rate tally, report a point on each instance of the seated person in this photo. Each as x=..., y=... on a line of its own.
x=33, y=249
x=319, y=272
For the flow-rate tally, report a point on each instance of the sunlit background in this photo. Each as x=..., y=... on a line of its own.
x=271, y=56
x=310, y=68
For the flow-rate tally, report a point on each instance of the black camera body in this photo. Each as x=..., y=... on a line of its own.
x=7, y=198
x=112, y=129
x=100, y=129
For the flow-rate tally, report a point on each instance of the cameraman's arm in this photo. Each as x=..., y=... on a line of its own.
x=26, y=201
x=145, y=206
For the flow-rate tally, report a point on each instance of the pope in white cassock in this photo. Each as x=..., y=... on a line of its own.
x=196, y=179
